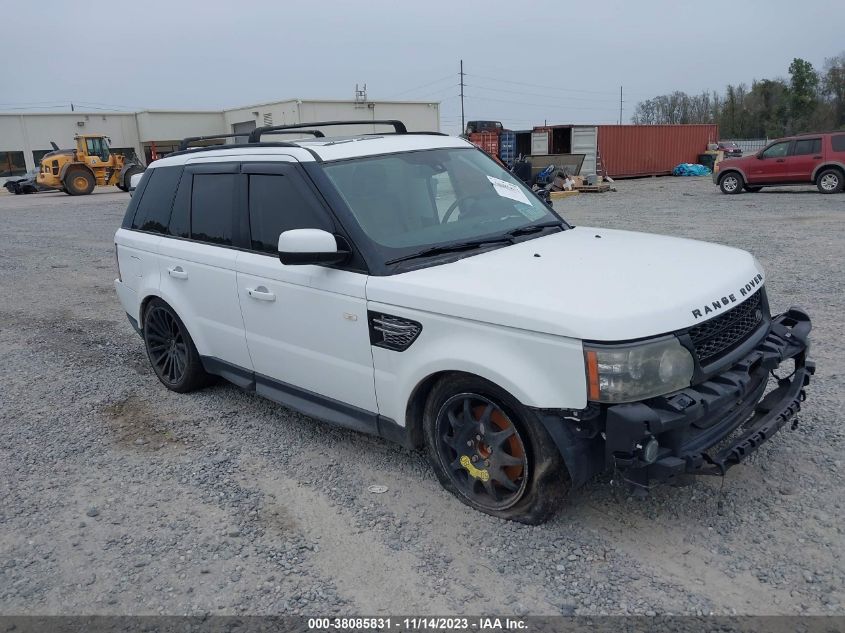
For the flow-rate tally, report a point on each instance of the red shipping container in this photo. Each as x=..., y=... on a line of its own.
x=488, y=141
x=651, y=150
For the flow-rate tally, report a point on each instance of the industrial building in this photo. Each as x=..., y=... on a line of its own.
x=25, y=136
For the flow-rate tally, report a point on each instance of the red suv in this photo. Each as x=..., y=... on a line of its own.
x=799, y=160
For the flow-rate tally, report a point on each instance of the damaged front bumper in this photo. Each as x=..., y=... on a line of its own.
x=701, y=430
x=708, y=428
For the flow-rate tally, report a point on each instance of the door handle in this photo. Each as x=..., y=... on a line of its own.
x=261, y=294
x=780, y=160
x=817, y=157
x=177, y=273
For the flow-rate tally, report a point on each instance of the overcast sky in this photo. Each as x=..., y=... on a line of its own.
x=525, y=62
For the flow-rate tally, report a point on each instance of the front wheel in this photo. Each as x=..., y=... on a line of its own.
x=491, y=452
x=731, y=183
x=127, y=178
x=830, y=181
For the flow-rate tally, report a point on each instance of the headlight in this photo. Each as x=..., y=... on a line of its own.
x=627, y=373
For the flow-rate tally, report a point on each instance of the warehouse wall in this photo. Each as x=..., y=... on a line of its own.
x=159, y=125
x=28, y=132
x=277, y=113
x=416, y=116
x=34, y=131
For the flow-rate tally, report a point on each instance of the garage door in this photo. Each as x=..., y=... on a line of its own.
x=584, y=141
x=245, y=127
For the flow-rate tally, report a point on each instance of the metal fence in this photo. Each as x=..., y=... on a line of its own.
x=748, y=145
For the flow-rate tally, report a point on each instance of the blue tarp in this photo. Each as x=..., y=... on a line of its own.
x=688, y=169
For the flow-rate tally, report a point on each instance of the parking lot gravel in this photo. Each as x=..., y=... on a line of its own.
x=120, y=497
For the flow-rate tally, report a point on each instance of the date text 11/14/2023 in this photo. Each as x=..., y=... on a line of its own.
x=417, y=623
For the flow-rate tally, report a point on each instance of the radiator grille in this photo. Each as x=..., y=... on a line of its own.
x=721, y=334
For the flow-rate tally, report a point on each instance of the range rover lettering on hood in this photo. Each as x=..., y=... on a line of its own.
x=719, y=304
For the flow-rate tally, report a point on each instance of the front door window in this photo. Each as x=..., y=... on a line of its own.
x=778, y=150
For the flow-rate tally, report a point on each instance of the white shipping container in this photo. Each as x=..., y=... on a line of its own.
x=539, y=143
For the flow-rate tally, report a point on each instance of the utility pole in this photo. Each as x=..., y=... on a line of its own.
x=620, y=105
x=463, y=124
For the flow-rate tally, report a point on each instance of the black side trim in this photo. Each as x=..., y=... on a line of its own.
x=309, y=403
x=239, y=376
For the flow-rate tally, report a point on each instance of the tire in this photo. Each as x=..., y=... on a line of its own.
x=79, y=182
x=172, y=353
x=830, y=181
x=731, y=183
x=491, y=452
x=126, y=178
x=751, y=189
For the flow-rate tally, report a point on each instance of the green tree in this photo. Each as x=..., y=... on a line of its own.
x=833, y=87
x=803, y=94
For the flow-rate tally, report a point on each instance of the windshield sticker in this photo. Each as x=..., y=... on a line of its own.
x=507, y=190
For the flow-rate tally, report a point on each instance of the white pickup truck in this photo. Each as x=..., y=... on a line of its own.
x=406, y=285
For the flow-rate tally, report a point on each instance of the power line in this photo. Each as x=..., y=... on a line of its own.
x=543, y=105
x=430, y=83
x=536, y=94
x=522, y=83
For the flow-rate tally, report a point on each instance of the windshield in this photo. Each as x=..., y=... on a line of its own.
x=408, y=201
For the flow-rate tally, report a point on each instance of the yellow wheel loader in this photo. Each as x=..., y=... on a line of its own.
x=92, y=163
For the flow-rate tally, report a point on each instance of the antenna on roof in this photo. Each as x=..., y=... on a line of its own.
x=360, y=94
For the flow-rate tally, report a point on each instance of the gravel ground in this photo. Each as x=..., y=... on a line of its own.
x=118, y=496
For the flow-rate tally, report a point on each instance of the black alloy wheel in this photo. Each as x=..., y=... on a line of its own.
x=170, y=349
x=483, y=451
x=492, y=452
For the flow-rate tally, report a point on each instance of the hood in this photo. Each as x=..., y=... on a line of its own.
x=585, y=283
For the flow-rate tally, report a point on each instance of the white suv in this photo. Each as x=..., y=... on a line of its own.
x=406, y=285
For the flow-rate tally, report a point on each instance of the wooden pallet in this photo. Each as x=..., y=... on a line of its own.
x=557, y=195
x=594, y=188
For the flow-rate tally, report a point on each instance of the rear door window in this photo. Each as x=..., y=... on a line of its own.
x=153, y=212
x=213, y=201
x=807, y=146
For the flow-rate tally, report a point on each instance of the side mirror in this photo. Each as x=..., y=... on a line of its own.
x=309, y=246
x=759, y=154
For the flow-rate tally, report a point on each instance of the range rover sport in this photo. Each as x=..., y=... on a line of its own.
x=406, y=285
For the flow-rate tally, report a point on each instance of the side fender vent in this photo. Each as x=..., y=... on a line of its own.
x=392, y=332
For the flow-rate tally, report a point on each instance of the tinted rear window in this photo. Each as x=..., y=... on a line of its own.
x=153, y=213
x=277, y=204
x=212, y=205
x=838, y=142
x=180, y=217
x=807, y=146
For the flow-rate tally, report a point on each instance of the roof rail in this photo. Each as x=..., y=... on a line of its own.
x=208, y=148
x=186, y=142
x=255, y=135
x=314, y=133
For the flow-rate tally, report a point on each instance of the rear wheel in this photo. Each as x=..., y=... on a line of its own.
x=731, y=183
x=79, y=182
x=491, y=452
x=830, y=181
x=171, y=350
